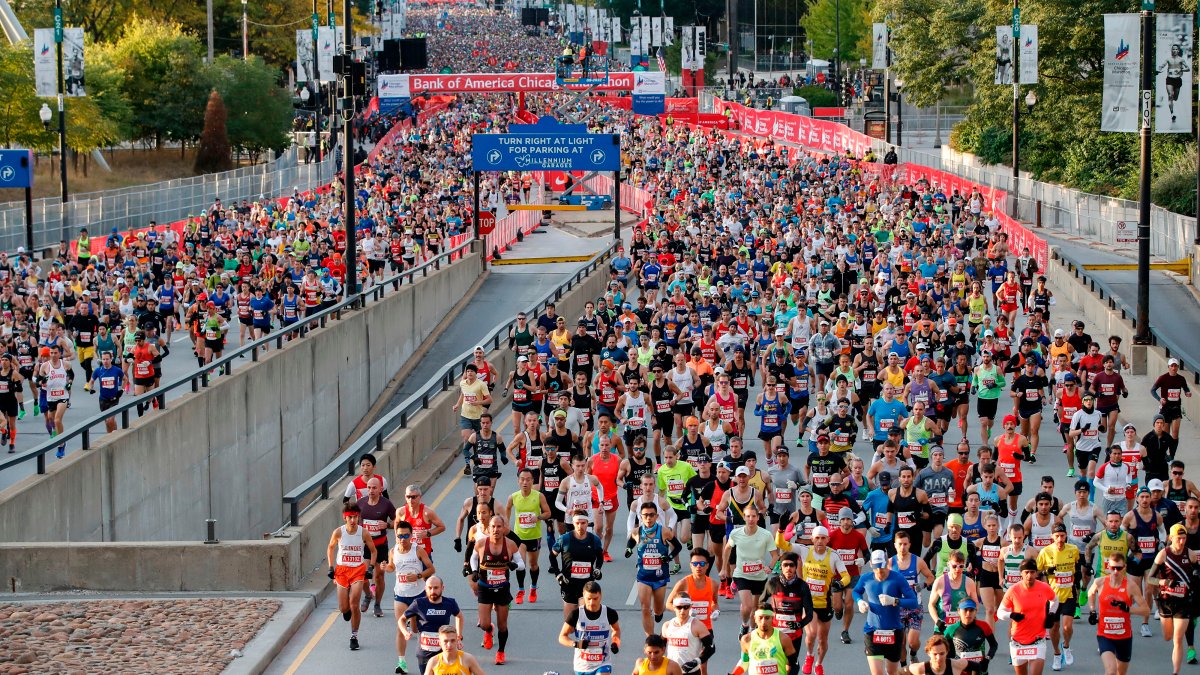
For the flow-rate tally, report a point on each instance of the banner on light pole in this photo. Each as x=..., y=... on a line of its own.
x=45, y=63
x=1004, y=55
x=1028, y=64
x=1173, y=84
x=879, y=46
x=1121, y=95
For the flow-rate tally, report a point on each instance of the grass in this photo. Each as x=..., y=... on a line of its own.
x=129, y=167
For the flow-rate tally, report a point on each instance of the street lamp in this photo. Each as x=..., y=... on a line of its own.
x=45, y=115
x=1030, y=101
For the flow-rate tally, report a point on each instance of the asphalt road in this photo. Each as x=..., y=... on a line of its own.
x=321, y=644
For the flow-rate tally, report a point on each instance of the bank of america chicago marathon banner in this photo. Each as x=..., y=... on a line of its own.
x=504, y=82
x=1122, y=72
x=1173, y=81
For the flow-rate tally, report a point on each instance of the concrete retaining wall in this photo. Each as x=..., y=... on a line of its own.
x=419, y=453
x=230, y=452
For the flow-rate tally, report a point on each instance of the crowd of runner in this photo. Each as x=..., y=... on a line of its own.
x=768, y=413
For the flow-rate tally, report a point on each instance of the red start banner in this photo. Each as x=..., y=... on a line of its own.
x=504, y=82
x=813, y=133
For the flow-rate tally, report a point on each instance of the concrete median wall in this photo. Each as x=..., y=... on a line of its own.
x=418, y=453
x=231, y=451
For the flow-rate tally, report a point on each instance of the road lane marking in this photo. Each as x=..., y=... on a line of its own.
x=316, y=639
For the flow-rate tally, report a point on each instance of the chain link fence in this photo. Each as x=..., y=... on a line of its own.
x=165, y=202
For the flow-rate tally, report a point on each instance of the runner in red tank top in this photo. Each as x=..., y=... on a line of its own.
x=425, y=523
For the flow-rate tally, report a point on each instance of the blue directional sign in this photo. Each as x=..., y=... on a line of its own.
x=16, y=169
x=565, y=151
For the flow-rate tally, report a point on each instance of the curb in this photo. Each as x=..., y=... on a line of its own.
x=262, y=650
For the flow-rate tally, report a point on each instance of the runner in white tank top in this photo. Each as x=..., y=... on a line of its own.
x=683, y=645
x=408, y=568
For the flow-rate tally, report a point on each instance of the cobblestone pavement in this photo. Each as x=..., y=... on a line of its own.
x=128, y=636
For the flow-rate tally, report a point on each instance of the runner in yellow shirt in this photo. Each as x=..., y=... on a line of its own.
x=1063, y=567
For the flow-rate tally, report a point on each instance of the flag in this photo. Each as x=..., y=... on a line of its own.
x=662, y=63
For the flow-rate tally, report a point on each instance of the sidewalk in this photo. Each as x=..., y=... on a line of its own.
x=1174, y=305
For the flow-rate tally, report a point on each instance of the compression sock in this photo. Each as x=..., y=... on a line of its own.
x=533, y=577
x=521, y=579
x=503, y=635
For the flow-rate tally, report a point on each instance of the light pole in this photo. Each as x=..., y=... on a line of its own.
x=899, y=113
x=1030, y=101
x=62, y=115
x=1141, y=334
x=347, y=112
x=245, y=33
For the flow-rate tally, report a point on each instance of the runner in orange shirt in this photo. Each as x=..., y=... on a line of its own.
x=1030, y=605
x=349, y=567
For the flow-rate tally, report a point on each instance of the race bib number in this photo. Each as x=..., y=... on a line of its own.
x=1032, y=394
x=841, y=438
x=581, y=570
x=846, y=554
x=675, y=486
x=1078, y=532
x=58, y=393
x=652, y=562
x=1173, y=394
x=990, y=553
x=486, y=461
x=881, y=521
x=905, y=519
x=886, y=424
x=1113, y=626
x=764, y=667
x=783, y=496
x=1028, y=652
x=817, y=586
x=430, y=642
x=884, y=637
x=1042, y=541
x=820, y=479
x=663, y=406
x=1064, y=579
x=1147, y=544
x=527, y=519
x=770, y=420
x=752, y=567
x=496, y=577
x=937, y=500
x=520, y=396
x=974, y=656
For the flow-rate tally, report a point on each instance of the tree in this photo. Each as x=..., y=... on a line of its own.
x=828, y=18
x=214, y=141
x=162, y=79
x=260, y=110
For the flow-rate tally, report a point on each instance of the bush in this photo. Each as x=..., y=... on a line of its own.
x=818, y=97
x=1174, y=183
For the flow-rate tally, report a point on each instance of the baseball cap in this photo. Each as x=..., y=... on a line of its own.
x=878, y=559
x=845, y=513
x=742, y=471
x=1178, y=529
x=1069, y=377
x=559, y=413
x=1059, y=528
x=1155, y=484
x=1172, y=362
x=954, y=519
x=885, y=478
x=522, y=358
x=1059, y=333
x=965, y=603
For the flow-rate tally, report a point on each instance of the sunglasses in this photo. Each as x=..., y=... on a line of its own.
x=699, y=563
x=1116, y=567
x=412, y=496
x=404, y=536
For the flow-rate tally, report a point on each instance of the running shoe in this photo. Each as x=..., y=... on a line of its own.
x=62, y=452
x=467, y=470
x=520, y=597
x=365, y=604
x=353, y=643
x=487, y=639
x=1191, y=655
x=820, y=669
x=1146, y=630
x=378, y=611
x=532, y=595
x=499, y=658
x=676, y=567
x=21, y=414
x=1071, y=473
x=845, y=637
x=607, y=557
x=402, y=666
x=1068, y=657
x=1057, y=664
x=808, y=665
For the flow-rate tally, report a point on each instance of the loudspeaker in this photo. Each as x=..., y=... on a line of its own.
x=413, y=55
x=389, y=58
x=528, y=17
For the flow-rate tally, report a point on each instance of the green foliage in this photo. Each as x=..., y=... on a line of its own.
x=995, y=145
x=259, y=110
x=163, y=79
x=87, y=126
x=817, y=97
x=1174, y=185
x=822, y=27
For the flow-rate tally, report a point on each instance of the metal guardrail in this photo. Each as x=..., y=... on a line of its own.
x=199, y=378
x=372, y=439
